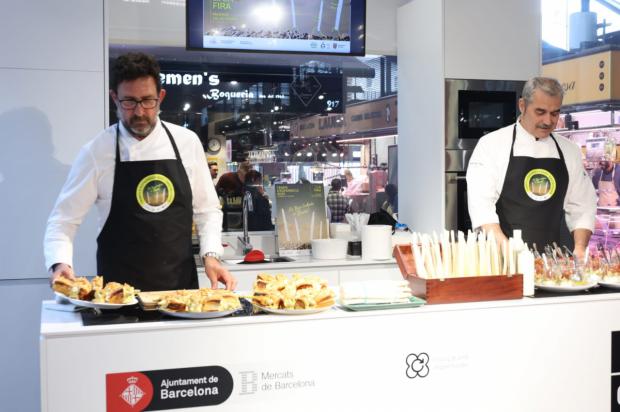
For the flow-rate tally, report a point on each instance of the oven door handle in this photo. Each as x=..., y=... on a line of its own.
x=458, y=178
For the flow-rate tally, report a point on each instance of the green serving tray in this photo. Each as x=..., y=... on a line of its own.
x=414, y=302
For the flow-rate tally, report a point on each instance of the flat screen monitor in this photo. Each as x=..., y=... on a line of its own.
x=332, y=27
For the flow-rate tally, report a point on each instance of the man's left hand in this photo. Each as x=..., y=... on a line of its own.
x=216, y=272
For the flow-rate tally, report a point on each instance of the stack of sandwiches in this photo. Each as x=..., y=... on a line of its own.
x=94, y=291
x=199, y=300
x=297, y=293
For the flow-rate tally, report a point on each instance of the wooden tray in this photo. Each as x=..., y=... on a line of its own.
x=453, y=290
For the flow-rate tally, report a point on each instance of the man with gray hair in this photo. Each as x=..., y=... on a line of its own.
x=524, y=177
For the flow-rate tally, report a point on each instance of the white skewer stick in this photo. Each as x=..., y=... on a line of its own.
x=511, y=256
x=454, y=251
x=437, y=256
x=461, y=247
x=427, y=256
x=312, y=226
x=472, y=255
x=418, y=260
x=505, y=257
x=321, y=230
x=285, y=224
x=297, y=230
x=446, y=254
x=482, y=255
x=495, y=262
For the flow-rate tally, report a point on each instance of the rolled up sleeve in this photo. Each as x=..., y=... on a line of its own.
x=207, y=210
x=482, y=183
x=77, y=196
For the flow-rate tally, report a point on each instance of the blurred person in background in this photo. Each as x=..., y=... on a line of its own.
x=260, y=216
x=606, y=180
x=391, y=203
x=213, y=169
x=337, y=203
x=231, y=183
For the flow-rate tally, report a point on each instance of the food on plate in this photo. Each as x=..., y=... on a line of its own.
x=297, y=293
x=63, y=285
x=198, y=300
x=94, y=290
x=114, y=292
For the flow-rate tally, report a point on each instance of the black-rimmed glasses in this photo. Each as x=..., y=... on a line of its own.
x=130, y=104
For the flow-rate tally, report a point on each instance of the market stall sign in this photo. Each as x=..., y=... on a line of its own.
x=372, y=115
x=587, y=79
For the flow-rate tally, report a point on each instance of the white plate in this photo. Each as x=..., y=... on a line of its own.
x=613, y=285
x=198, y=315
x=293, y=311
x=558, y=288
x=88, y=304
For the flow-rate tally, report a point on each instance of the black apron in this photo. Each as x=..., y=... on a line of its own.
x=147, y=239
x=532, y=198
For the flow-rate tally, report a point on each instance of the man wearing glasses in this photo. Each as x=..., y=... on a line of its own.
x=150, y=182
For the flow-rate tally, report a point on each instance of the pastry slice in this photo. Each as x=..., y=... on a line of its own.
x=62, y=285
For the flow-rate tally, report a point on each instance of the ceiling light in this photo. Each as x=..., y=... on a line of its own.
x=308, y=154
x=186, y=107
x=321, y=97
x=234, y=82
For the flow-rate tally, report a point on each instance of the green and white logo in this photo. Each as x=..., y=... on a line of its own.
x=155, y=193
x=539, y=185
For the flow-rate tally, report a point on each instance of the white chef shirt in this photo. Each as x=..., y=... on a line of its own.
x=489, y=163
x=91, y=179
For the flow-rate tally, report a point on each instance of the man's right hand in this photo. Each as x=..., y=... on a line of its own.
x=61, y=269
x=500, y=237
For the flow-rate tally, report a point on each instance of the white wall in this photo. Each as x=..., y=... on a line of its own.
x=53, y=100
x=475, y=39
x=420, y=115
x=490, y=39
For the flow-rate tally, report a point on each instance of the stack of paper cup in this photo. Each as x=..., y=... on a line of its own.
x=340, y=230
x=376, y=242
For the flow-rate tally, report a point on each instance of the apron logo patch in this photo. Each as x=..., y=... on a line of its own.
x=539, y=185
x=155, y=193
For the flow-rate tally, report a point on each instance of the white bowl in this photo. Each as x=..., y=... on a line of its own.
x=329, y=249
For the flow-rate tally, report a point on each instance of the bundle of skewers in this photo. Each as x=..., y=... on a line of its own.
x=559, y=266
x=556, y=266
x=456, y=255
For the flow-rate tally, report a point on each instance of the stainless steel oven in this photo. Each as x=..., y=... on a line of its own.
x=477, y=107
x=473, y=108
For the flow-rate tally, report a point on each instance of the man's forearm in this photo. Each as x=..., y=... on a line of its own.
x=581, y=238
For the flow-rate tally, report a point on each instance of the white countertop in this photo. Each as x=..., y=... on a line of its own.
x=56, y=323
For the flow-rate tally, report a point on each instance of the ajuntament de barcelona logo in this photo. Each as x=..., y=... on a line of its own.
x=155, y=193
x=539, y=184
